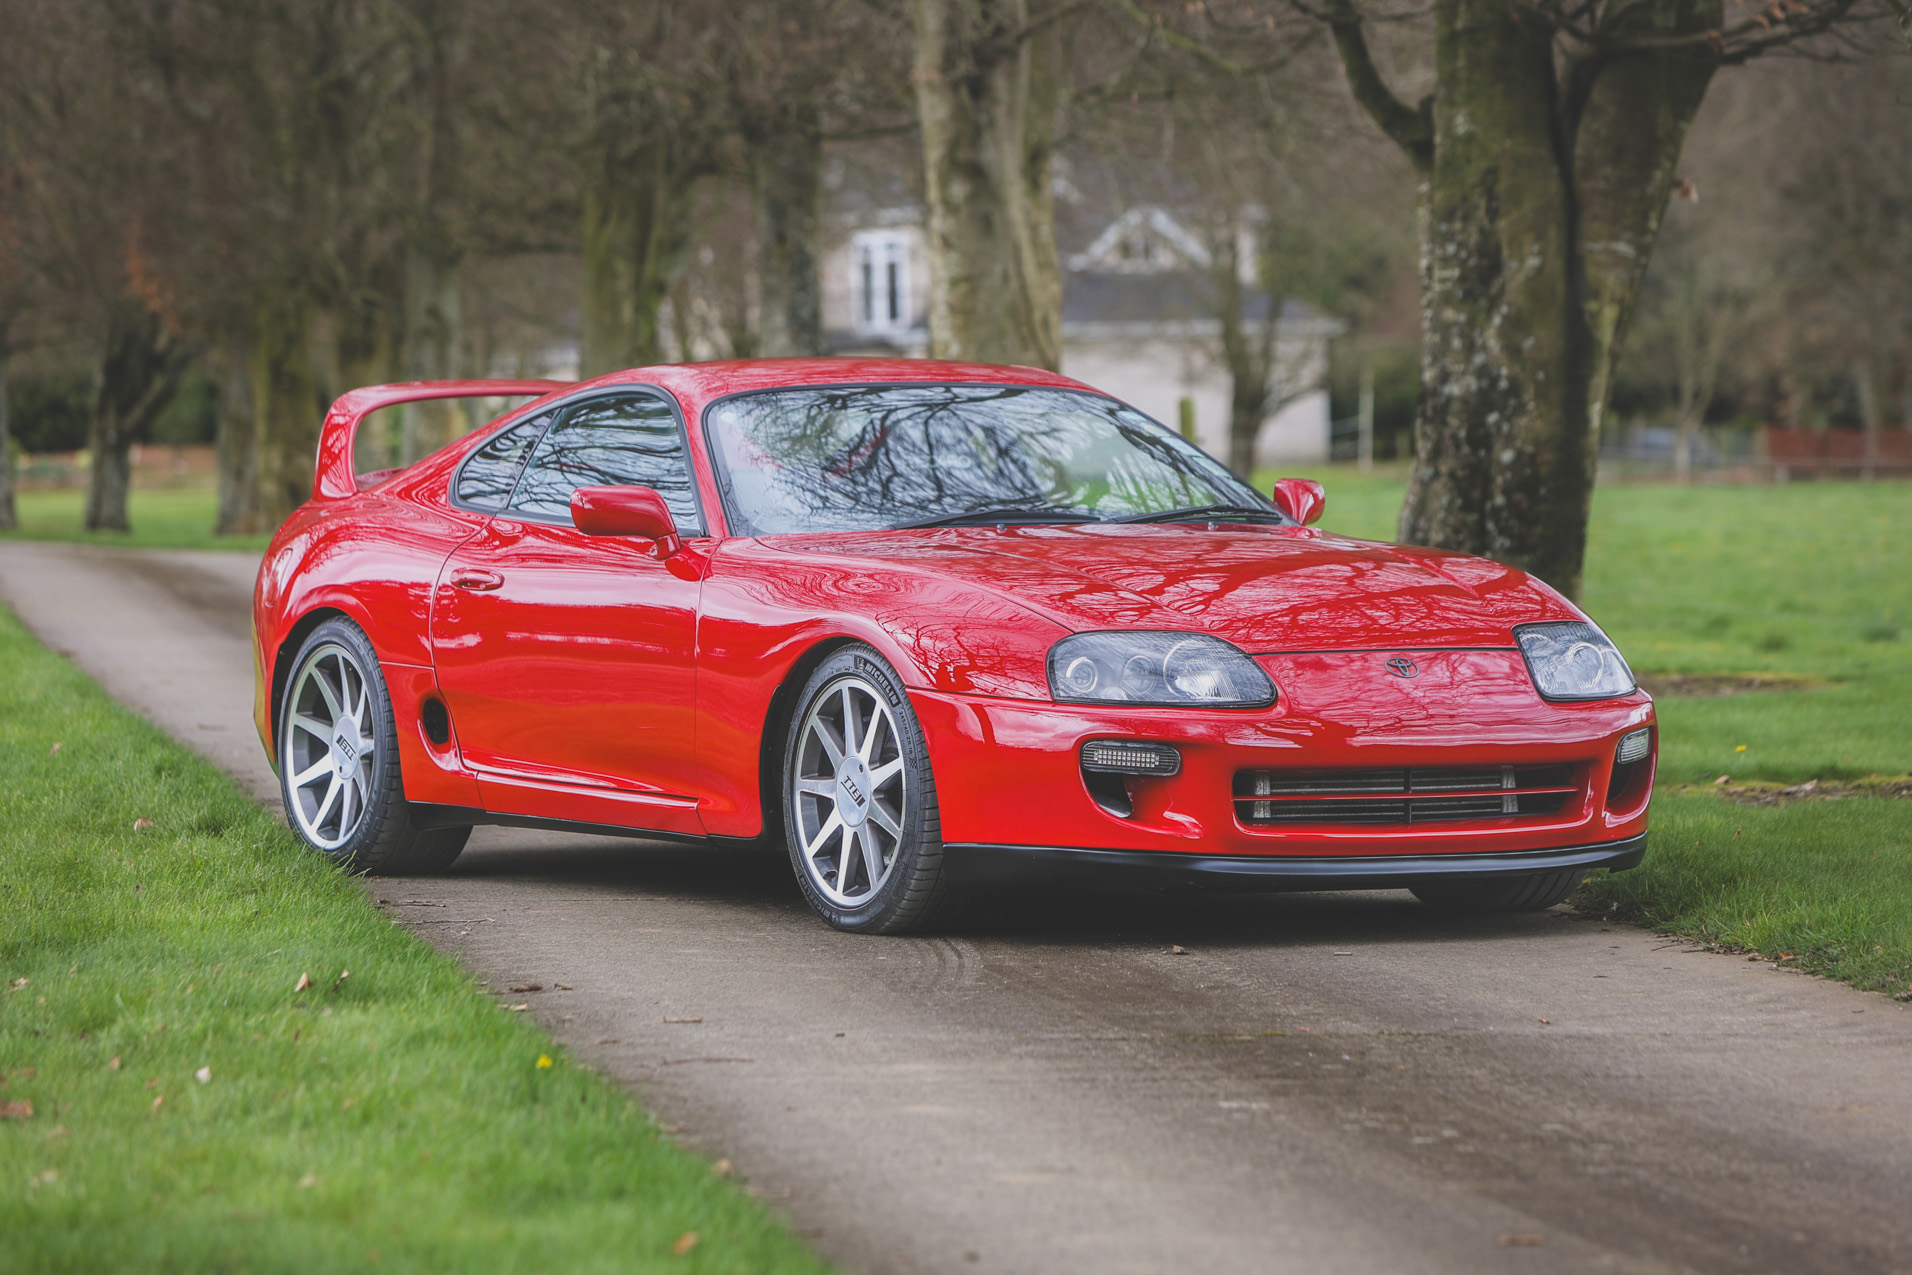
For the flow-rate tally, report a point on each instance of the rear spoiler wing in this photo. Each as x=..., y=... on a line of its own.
x=333, y=477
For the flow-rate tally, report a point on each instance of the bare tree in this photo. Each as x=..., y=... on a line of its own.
x=1546, y=152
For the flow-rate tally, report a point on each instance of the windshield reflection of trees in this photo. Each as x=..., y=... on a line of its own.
x=868, y=457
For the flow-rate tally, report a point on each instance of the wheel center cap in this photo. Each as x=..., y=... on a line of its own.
x=345, y=752
x=853, y=791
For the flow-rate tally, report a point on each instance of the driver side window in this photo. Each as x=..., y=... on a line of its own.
x=618, y=440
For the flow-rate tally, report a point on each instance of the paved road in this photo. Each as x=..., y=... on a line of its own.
x=1339, y=1083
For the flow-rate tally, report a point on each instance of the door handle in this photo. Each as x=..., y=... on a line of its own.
x=476, y=579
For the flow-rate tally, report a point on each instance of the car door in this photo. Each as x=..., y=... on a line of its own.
x=567, y=660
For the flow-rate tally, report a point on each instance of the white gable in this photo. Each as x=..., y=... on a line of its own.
x=1143, y=240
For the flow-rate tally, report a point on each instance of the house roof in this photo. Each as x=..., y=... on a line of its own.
x=1179, y=297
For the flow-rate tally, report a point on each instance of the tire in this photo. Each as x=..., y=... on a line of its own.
x=1534, y=893
x=343, y=793
x=877, y=799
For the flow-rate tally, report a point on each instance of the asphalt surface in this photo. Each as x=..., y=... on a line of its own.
x=1328, y=1083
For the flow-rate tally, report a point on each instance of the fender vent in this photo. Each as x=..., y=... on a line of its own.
x=1422, y=794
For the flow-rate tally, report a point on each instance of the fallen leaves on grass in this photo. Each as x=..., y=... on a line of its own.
x=203, y=1075
x=305, y=981
x=721, y=1168
x=19, y=1110
x=142, y=823
x=115, y=1064
x=55, y=751
x=309, y=1181
x=159, y=1102
x=684, y=1243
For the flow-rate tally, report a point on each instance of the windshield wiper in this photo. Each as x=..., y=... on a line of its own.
x=1199, y=511
x=1007, y=514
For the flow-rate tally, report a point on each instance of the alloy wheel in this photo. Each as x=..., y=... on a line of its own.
x=330, y=752
x=848, y=794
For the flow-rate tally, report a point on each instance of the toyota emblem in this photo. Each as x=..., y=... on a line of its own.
x=1401, y=666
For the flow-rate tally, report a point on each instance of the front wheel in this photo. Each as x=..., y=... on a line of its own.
x=859, y=801
x=338, y=762
x=1534, y=893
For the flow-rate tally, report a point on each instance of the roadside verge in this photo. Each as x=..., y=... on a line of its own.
x=171, y=1097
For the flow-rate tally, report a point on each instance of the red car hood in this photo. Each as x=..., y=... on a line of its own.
x=1262, y=588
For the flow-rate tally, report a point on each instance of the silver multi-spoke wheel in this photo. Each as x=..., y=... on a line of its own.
x=849, y=792
x=330, y=746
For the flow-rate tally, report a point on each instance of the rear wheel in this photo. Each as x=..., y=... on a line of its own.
x=338, y=762
x=859, y=802
x=1501, y=894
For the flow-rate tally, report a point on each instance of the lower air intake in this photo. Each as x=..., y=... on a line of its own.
x=1422, y=794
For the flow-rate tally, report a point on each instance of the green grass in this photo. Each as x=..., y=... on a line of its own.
x=396, y=1119
x=1828, y=883
x=166, y=519
x=1809, y=580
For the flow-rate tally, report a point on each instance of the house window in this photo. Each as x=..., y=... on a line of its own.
x=880, y=261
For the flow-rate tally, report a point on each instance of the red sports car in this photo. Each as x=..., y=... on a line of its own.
x=932, y=627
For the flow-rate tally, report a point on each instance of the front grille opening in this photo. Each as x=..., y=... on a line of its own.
x=1421, y=794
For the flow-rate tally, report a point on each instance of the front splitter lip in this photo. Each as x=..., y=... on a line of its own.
x=974, y=865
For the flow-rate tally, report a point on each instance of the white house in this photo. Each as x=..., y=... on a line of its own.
x=1133, y=324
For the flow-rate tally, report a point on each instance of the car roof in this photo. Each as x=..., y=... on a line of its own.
x=706, y=381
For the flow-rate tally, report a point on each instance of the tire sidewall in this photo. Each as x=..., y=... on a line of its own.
x=920, y=850
x=371, y=826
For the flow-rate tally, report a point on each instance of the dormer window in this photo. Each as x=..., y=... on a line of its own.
x=880, y=282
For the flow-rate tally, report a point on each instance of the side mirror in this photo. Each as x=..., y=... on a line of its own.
x=626, y=511
x=1301, y=499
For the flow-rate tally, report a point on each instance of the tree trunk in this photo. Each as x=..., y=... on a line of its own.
x=138, y=375
x=287, y=405
x=237, y=443
x=1249, y=352
x=786, y=184
x=1869, y=414
x=986, y=97
x=430, y=342
x=9, y=516
x=1544, y=185
x=638, y=224
x=432, y=329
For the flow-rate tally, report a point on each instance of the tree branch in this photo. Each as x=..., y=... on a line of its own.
x=1412, y=128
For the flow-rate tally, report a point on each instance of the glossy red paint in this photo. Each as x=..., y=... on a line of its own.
x=626, y=511
x=1300, y=498
x=597, y=680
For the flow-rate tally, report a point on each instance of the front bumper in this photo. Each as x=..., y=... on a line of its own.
x=975, y=866
x=1008, y=772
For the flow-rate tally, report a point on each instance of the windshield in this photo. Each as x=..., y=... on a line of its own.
x=858, y=458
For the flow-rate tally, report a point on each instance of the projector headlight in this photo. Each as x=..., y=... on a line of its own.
x=1178, y=669
x=1573, y=662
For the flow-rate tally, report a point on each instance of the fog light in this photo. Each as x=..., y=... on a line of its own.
x=1634, y=746
x=1129, y=757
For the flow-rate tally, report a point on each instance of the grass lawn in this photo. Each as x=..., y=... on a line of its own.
x=393, y=1119
x=1807, y=582
x=166, y=519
